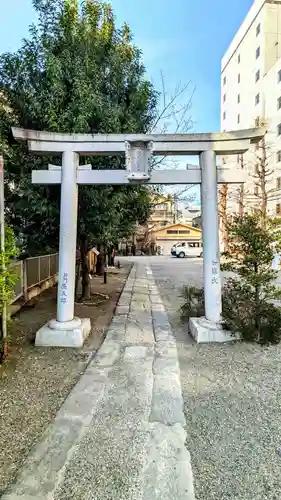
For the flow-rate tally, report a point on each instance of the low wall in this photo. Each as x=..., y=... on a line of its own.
x=32, y=293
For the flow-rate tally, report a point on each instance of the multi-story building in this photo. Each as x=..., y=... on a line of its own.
x=189, y=214
x=250, y=96
x=163, y=212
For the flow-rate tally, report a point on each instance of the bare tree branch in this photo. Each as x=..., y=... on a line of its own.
x=170, y=108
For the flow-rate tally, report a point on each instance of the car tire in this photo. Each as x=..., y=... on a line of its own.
x=182, y=255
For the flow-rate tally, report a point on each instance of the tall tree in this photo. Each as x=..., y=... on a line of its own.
x=77, y=72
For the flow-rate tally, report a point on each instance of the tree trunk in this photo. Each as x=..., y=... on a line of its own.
x=264, y=200
x=77, y=277
x=241, y=200
x=86, y=285
x=100, y=261
x=112, y=256
x=223, y=214
x=257, y=300
x=241, y=192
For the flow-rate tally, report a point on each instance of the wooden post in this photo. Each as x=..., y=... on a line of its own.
x=25, y=286
x=105, y=269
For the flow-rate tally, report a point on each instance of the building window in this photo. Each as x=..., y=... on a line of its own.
x=257, y=99
x=224, y=115
x=224, y=97
x=278, y=156
x=239, y=78
x=278, y=208
x=224, y=80
x=184, y=231
x=258, y=52
x=279, y=103
x=172, y=231
x=279, y=76
x=278, y=182
x=238, y=118
x=279, y=129
x=239, y=58
x=258, y=29
x=238, y=98
x=258, y=75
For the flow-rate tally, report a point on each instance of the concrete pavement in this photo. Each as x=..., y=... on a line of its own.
x=121, y=432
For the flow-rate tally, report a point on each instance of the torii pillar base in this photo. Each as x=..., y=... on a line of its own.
x=69, y=334
x=205, y=332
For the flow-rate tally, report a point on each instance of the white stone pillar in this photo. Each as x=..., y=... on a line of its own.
x=68, y=235
x=210, y=225
x=66, y=330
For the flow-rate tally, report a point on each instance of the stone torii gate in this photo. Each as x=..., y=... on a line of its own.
x=66, y=330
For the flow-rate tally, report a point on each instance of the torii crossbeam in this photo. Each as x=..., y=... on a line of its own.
x=138, y=150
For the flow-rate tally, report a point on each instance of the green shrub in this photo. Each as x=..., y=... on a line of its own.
x=248, y=298
x=256, y=321
x=193, y=305
x=8, y=277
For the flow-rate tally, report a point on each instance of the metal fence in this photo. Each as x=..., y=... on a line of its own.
x=33, y=271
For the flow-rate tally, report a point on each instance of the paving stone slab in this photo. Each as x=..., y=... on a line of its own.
x=167, y=402
x=140, y=317
x=39, y=476
x=84, y=398
x=136, y=352
x=112, y=472
x=155, y=299
x=116, y=320
x=137, y=334
x=120, y=310
x=117, y=333
x=163, y=336
x=166, y=349
x=158, y=311
x=166, y=365
x=107, y=355
x=168, y=473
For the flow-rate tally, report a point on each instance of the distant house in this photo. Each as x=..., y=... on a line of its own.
x=172, y=234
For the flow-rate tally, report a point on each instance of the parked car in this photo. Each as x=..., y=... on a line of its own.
x=187, y=249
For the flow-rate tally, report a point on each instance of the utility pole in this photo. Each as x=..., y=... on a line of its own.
x=2, y=247
x=175, y=208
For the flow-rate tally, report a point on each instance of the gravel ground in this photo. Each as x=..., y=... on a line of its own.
x=232, y=403
x=34, y=382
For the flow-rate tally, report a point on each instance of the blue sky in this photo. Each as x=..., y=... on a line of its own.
x=183, y=38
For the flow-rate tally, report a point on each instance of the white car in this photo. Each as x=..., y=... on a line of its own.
x=187, y=249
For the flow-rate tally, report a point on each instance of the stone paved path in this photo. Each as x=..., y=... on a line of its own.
x=120, y=435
